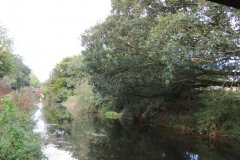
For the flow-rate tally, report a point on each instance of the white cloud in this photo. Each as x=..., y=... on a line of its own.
x=45, y=31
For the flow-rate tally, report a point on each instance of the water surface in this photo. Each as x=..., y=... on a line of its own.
x=50, y=150
x=95, y=138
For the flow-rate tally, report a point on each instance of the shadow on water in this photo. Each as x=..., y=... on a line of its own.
x=94, y=138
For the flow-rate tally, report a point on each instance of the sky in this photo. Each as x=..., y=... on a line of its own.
x=46, y=31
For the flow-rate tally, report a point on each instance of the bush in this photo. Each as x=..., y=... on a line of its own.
x=57, y=114
x=17, y=138
x=24, y=98
x=220, y=112
x=5, y=86
x=84, y=99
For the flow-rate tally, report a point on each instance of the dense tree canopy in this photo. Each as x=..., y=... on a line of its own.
x=160, y=48
x=159, y=62
x=65, y=77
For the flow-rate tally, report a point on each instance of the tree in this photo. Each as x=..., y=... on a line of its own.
x=34, y=81
x=12, y=65
x=20, y=74
x=64, y=79
x=6, y=60
x=161, y=49
x=5, y=41
x=6, y=63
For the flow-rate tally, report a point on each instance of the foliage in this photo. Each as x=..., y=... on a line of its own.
x=153, y=57
x=34, y=81
x=5, y=41
x=24, y=98
x=157, y=51
x=64, y=79
x=112, y=115
x=20, y=74
x=6, y=63
x=5, y=86
x=215, y=113
x=17, y=138
x=83, y=100
x=12, y=65
x=57, y=114
x=220, y=112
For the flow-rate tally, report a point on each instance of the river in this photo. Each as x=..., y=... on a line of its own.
x=94, y=138
x=51, y=150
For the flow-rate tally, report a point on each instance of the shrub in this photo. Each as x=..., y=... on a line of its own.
x=83, y=100
x=23, y=98
x=56, y=113
x=17, y=138
x=220, y=112
x=5, y=86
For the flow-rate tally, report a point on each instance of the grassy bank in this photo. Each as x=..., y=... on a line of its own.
x=216, y=114
x=17, y=138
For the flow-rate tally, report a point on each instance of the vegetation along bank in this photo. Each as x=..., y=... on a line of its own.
x=17, y=140
x=156, y=63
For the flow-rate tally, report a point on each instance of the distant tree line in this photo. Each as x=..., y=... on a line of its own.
x=12, y=65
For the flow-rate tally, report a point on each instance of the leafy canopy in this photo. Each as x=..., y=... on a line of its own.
x=12, y=65
x=151, y=49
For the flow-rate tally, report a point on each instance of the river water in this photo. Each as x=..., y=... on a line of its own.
x=95, y=138
x=51, y=151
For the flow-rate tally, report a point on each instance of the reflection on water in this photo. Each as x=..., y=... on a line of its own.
x=40, y=126
x=193, y=156
x=94, y=138
x=51, y=151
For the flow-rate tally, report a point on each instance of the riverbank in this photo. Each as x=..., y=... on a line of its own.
x=96, y=137
x=212, y=114
x=17, y=138
x=216, y=115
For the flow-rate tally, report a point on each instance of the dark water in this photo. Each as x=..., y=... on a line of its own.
x=92, y=138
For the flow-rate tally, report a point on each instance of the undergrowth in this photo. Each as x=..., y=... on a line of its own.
x=17, y=138
x=216, y=114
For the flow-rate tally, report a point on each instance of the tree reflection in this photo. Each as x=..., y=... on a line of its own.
x=101, y=139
